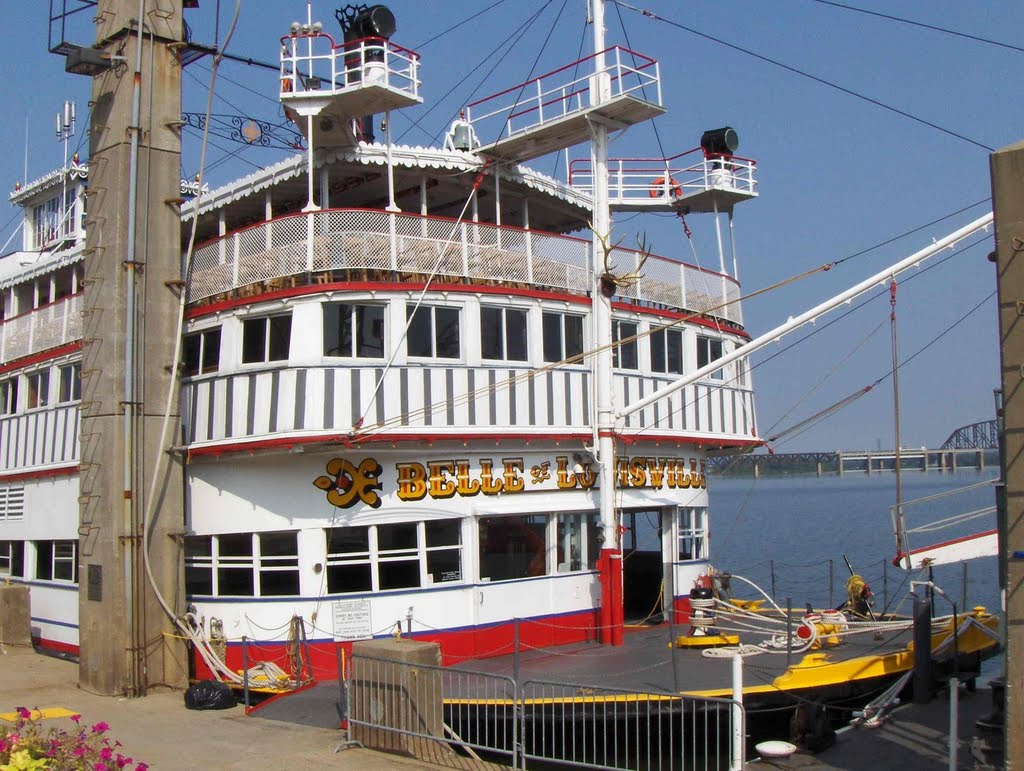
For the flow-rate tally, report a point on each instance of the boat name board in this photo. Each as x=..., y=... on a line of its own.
x=347, y=483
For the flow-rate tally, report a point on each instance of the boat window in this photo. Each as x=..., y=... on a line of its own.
x=512, y=547
x=693, y=533
x=38, y=389
x=433, y=332
x=444, y=551
x=57, y=560
x=64, y=282
x=569, y=552
x=9, y=396
x=348, y=560
x=12, y=558
x=667, y=351
x=266, y=339
x=503, y=334
x=398, y=556
x=234, y=565
x=594, y=540
x=198, y=565
x=624, y=354
x=12, y=502
x=563, y=336
x=70, y=383
x=354, y=330
x=201, y=351
x=709, y=349
x=279, y=563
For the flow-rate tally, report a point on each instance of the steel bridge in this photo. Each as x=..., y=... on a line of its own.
x=969, y=446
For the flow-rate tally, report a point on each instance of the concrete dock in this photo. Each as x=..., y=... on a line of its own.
x=161, y=732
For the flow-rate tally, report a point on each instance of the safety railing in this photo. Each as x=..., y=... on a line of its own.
x=313, y=64
x=47, y=327
x=370, y=245
x=564, y=92
x=683, y=175
x=429, y=711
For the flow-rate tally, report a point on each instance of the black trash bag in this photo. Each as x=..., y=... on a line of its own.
x=209, y=694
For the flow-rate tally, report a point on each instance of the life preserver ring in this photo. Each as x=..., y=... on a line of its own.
x=658, y=188
x=286, y=85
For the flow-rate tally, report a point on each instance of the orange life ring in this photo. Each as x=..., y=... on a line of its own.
x=286, y=85
x=658, y=188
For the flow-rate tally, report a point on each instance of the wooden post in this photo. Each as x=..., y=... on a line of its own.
x=1007, y=167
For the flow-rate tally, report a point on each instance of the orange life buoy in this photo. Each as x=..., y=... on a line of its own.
x=658, y=188
x=286, y=85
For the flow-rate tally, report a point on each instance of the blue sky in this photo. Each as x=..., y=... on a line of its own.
x=837, y=175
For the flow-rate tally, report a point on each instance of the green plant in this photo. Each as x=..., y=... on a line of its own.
x=28, y=746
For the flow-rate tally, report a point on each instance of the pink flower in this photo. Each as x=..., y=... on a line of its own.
x=3, y=746
x=100, y=767
x=106, y=753
x=80, y=751
x=24, y=713
x=100, y=727
x=76, y=718
x=141, y=767
x=122, y=761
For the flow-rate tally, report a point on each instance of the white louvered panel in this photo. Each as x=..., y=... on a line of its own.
x=286, y=399
x=313, y=414
x=261, y=405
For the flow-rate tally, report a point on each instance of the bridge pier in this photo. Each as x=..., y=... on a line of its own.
x=757, y=471
x=819, y=468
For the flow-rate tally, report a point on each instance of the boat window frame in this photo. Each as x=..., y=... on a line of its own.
x=213, y=561
x=37, y=389
x=626, y=355
x=46, y=551
x=201, y=366
x=12, y=558
x=412, y=312
x=69, y=383
x=565, y=351
x=268, y=322
x=503, y=333
x=705, y=353
x=662, y=338
x=691, y=530
x=9, y=395
x=355, y=323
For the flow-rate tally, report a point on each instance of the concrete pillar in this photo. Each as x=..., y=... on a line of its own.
x=954, y=453
x=15, y=617
x=132, y=257
x=757, y=471
x=395, y=687
x=867, y=463
x=819, y=468
x=1007, y=166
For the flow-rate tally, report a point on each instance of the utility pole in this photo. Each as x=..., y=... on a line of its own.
x=1007, y=167
x=132, y=271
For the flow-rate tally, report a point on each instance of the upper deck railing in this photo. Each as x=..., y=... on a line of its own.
x=38, y=330
x=373, y=245
x=644, y=180
x=563, y=92
x=313, y=64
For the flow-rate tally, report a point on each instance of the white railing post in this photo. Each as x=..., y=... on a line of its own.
x=234, y=261
x=738, y=729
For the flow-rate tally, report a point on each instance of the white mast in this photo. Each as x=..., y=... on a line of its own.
x=610, y=565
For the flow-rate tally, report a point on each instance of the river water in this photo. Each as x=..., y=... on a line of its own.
x=791, y=526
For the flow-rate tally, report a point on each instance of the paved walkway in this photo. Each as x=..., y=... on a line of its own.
x=160, y=731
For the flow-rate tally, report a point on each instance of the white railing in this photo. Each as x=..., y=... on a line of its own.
x=563, y=92
x=48, y=327
x=313, y=64
x=362, y=244
x=647, y=179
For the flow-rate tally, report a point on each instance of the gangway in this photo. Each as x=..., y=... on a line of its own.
x=696, y=180
x=555, y=110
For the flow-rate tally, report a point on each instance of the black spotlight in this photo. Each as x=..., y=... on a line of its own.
x=359, y=21
x=720, y=141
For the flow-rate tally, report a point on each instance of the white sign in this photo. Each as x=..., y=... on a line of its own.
x=352, y=620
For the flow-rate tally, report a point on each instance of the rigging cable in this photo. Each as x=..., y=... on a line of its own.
x=912, y=23
x=803, y=73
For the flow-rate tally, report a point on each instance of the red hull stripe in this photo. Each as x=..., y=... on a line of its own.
x=64, y=471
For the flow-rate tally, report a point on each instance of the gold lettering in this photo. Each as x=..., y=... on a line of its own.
x=566, y=479
x=637, y=472
x=440, y=485
x=622, y=469
x=488, y=484
x=513, y=479
x=412, y=484
x=656, y=470
x=467, y=485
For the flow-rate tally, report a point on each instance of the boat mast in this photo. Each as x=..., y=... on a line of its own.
x=610, y=562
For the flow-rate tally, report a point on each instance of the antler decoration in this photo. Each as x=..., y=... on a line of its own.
x=610, y=282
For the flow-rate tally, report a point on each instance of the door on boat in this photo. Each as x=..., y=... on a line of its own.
x=643, y=564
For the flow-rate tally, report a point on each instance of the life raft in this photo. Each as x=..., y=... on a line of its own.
x=658, y=188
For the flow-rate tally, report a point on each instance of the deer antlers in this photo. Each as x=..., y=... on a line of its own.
x=610, y=282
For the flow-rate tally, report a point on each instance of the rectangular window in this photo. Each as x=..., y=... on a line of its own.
x=234, y=565
x=503, y=334
x=569, y=556
x=563, y=336
x=624, y=354
x=266, y=339
x=279, y=563
x=693, y=533
x=38, y=391
x=434, y=332
x=354, y=330
x=348, y=560
x=9, y=396
x=709, y=349
x=201, y=352
x=667, y=351
x=12, y=502
x=199, y=565
x=12, y=558
x=398, y=556
x=70, y=383
x=57, y=561
x=513, y=547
